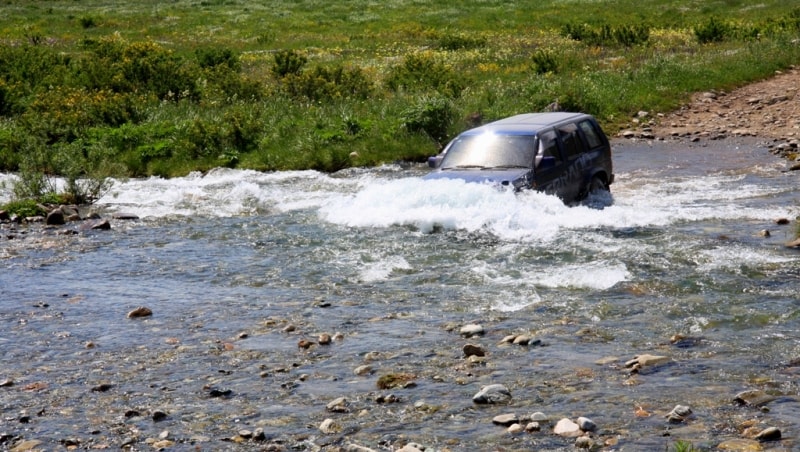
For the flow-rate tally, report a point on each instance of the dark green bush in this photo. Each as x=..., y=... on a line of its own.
x=432, y=116
x=288, y=62
x=607, y=35
x=212, y=57
x=422, y=72
x=461, y=41
x=324, y=84
x=712, y=30
x=545, y=61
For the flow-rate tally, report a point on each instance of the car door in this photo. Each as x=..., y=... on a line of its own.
x=549, y=164
x=575, y=161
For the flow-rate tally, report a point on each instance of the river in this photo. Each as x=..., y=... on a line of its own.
x=239, y=266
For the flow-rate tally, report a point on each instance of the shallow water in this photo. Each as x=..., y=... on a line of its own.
x=397, y=265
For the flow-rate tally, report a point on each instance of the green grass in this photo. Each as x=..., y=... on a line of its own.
x=164, y=88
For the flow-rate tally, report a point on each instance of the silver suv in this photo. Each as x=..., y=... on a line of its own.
x=566, y=154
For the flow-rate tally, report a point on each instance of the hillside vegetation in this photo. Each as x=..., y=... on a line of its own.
x=92, y=88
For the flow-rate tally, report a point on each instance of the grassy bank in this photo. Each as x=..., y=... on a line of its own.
x=97, y=88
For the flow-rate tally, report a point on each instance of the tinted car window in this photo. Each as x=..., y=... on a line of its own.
x=571, y=142
x=592, y=139
x=489, y=150
x=548, y=146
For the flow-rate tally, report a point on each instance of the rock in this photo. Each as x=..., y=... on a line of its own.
x=514, y=429
x=678, y=414
x=505, y=419
x=584, y=442
x=539, y=417
x=324, y=339
x=754, y=397
x=473, y=350
x=641, y=361
x=4, y=216
x=764, y=233
x=158, y=415
x=26, y=445
x=472, y=330
x=533, y=427
x=6, y=383
x=350, y=447
x=411, y=447
x=338, y=405
x=794, y=243
x=769, y=434
x=97, y=225
x=124, y=216
x=586, y=424
x=523, y=339
x=328, y=427
x=304, y=344
x=782, y=221
x=363, y=370
x=140, y=312
x=567, y=428
x=740, y=445
x=55, y=217
x=495, y=393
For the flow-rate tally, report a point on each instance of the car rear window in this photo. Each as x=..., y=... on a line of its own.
x=571, y=142
x=593, y=140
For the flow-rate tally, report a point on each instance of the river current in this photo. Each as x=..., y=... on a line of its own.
x=228, y=260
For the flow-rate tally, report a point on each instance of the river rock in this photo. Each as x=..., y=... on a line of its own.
x=140, y=312
x=505, y=419
x=473, y=350
x=794, y=243
x=366, y=369
x=328, y=427
x=641, y=361
x=539, y=417
x=472, y=330
x=769, y=434
x=124, y=216
x=740, y=445
x=586, y=424
x=754, y=397
x=495, y=393
x=514, y=429
x=565, y=427
x=101, y=224
x=584, y=442
x=679, y=414
x=55, y=217
x=338, y=405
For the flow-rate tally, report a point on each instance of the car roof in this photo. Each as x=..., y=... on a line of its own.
x=526, y=123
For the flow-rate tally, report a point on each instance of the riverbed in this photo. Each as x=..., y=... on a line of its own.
x=273, y=294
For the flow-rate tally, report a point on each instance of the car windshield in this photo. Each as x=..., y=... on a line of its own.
x=490, y=150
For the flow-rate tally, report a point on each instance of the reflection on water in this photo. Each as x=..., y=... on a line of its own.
x=393, y=262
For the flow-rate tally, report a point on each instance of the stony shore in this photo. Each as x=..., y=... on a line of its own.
x=769, y=109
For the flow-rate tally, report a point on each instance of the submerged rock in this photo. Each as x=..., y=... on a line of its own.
x=754, y=397
x=495, y=393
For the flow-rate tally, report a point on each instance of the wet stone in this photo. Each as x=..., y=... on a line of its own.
x=505, y=419
x=473, y=350
x=472, y=330
x=586, y=424
x=495, y=393
x=753, y=398
x=769, y=434
x=565, y=427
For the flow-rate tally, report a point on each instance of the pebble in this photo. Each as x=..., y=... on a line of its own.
x=567, y=428
x=472, y=330
x=494, y=393
x=769, y=434
x=363, y=370
x=539, y=417
x=505, y=419
x=338, y=405
x=584, y=442
x=139, y=312
x=679, y=414
x=514, y=429
x=533, y=427
x=324, y=339
x=754, y=397
x=640, y=361
x=586, y=424
x=328, y=426
x=473, y=350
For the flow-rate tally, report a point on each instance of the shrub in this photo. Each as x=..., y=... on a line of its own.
x=461, y=41
x=212, y=57
x=712, y=30
x=431, y=116
x=323, y=83
x=422, y=72
x=288, y=62
x=545, y=61
x=624, y=35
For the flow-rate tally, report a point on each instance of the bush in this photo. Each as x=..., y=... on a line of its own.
x=624, y=35
x=431, y=116
x=323, y=83
x=422, y=72
x=545, y=61
x=213, y=57
x=288, y=62
x=461, y=41
x=712, y=30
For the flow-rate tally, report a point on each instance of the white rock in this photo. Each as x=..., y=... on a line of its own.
x=566, y=427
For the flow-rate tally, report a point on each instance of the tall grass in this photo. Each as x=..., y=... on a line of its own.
x=164, y=88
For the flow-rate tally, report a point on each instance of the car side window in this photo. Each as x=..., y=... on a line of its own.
x=570, y=140
x=548, y=146
x=590, y=133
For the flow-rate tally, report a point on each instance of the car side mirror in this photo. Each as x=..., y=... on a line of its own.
x=547, y=162
x=435, y=161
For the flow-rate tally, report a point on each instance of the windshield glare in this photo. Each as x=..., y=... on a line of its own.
x=490, y=150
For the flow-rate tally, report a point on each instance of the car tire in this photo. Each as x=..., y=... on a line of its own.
x=597, y=184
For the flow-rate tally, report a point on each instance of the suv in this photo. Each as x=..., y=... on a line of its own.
x=566, y=154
